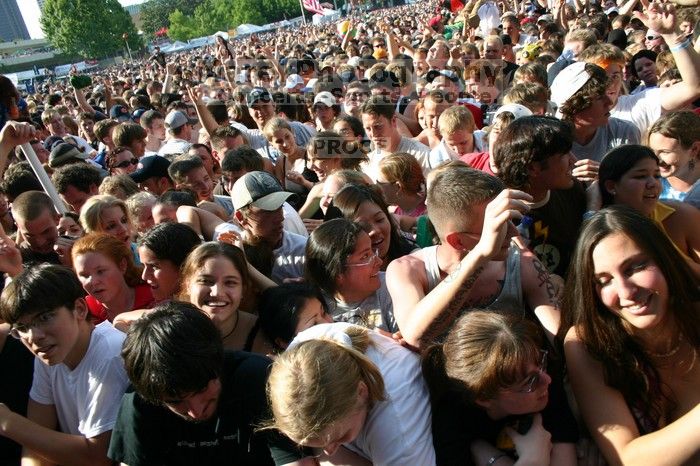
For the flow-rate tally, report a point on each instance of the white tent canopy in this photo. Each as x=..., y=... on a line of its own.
x=244, y=29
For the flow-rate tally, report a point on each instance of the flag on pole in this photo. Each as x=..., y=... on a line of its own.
x=313, y=6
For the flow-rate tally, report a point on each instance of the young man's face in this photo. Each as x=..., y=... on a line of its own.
x=261, y=112
x=379, y=129
x=157, y=128
x=200, y=182
x=75, y=198
x=597, y=114
x=461, y=142
x=40, y=233
x=52, y=335
x=556, y=173
x=266, y=225
x=197, y=407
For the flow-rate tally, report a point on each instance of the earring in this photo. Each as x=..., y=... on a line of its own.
x=613, y=192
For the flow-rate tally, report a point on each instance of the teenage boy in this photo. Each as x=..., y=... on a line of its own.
x=79, y=376
x=194, y=403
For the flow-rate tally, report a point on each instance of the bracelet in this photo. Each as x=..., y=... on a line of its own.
x=683, y=45
x=495, y=458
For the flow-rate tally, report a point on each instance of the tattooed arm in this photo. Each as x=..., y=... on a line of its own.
x=422, y=318
x=541, y=294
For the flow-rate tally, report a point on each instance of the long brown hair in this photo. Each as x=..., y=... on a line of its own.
x=112, y=248
x=626, y=365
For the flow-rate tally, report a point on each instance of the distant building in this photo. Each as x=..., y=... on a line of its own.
x=12, y=25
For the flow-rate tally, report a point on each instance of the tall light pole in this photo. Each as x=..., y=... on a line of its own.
x=125, y=36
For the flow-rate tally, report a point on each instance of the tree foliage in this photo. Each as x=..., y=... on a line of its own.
x=89, y=28
x=222, y=15
x=155, y=13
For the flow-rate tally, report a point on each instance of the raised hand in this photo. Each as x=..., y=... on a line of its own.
x=508, y=205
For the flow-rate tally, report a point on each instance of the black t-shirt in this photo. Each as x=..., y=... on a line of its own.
x=456, y=424
x=148, y=434
x=17, y=367
x=556, y=226
x=30, y=257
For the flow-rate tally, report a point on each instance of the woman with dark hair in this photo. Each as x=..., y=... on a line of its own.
x=286, y=310
x=493, y=396
x=162, y=250
x=632, y=310
x=644, y=68
x=366, y=206
x=342, y=261
x=350, y=128
x=629, y=175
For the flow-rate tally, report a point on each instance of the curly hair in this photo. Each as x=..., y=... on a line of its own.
x=594, y=88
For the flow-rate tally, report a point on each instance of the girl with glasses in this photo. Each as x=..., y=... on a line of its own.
x=341, y=261
x=494, y=399
x=632, y=308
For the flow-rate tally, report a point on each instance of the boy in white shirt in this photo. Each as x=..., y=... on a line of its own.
x=79, y=376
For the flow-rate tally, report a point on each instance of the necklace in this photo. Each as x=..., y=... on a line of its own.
x=238, y=317
x=672, y=351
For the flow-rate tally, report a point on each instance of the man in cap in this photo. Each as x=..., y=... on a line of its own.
x=257, y=199
x=179, y=133
x=119, y=113
x=325, y=110
x=152, y=175
x=294, y=84
x=64, y=154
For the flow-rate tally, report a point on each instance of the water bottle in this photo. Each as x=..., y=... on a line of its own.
x=524, y=229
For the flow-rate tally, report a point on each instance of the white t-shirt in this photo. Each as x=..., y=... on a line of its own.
x=641, y=109
x=420, y=151
x=174, y=147
x=86, y=398
x=397, y=431
x=289, y=258
x=442, y=153
x=615, y=133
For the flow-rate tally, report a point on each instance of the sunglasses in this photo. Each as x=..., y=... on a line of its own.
x=653, y=37
x=533, y=381
x=126, y=163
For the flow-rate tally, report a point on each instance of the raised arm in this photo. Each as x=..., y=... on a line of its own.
x=612, y=425
x=422, y=317
x=662, y=17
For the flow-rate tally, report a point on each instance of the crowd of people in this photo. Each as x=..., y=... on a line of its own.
x=435, y=234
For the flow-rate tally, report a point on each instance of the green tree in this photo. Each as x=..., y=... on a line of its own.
x=89, y=28
x=222, y=15
x=155, y=13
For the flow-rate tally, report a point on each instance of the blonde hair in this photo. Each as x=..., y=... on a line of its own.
x=275, y=124
x=314, y=384
x=403, y=168
x=454, y=119
x=91, y=212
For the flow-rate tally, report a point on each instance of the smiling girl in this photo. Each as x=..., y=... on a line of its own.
x=215, y=278
x=633, y=307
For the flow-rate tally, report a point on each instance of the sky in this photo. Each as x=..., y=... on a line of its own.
x=30, y=13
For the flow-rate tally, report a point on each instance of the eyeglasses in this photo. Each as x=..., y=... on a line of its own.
x=126, y=163
x=367, y=259
x=533, y=381
x=653, y=37
x=41, y=322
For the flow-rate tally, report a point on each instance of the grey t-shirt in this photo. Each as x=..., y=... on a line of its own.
x=375, y=311
x=615, y=133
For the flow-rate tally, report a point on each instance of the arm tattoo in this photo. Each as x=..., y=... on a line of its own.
x=543, y=278
x=442, y=322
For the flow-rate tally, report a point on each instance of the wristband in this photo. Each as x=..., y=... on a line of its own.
x=683, y=45
x=495, y=458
